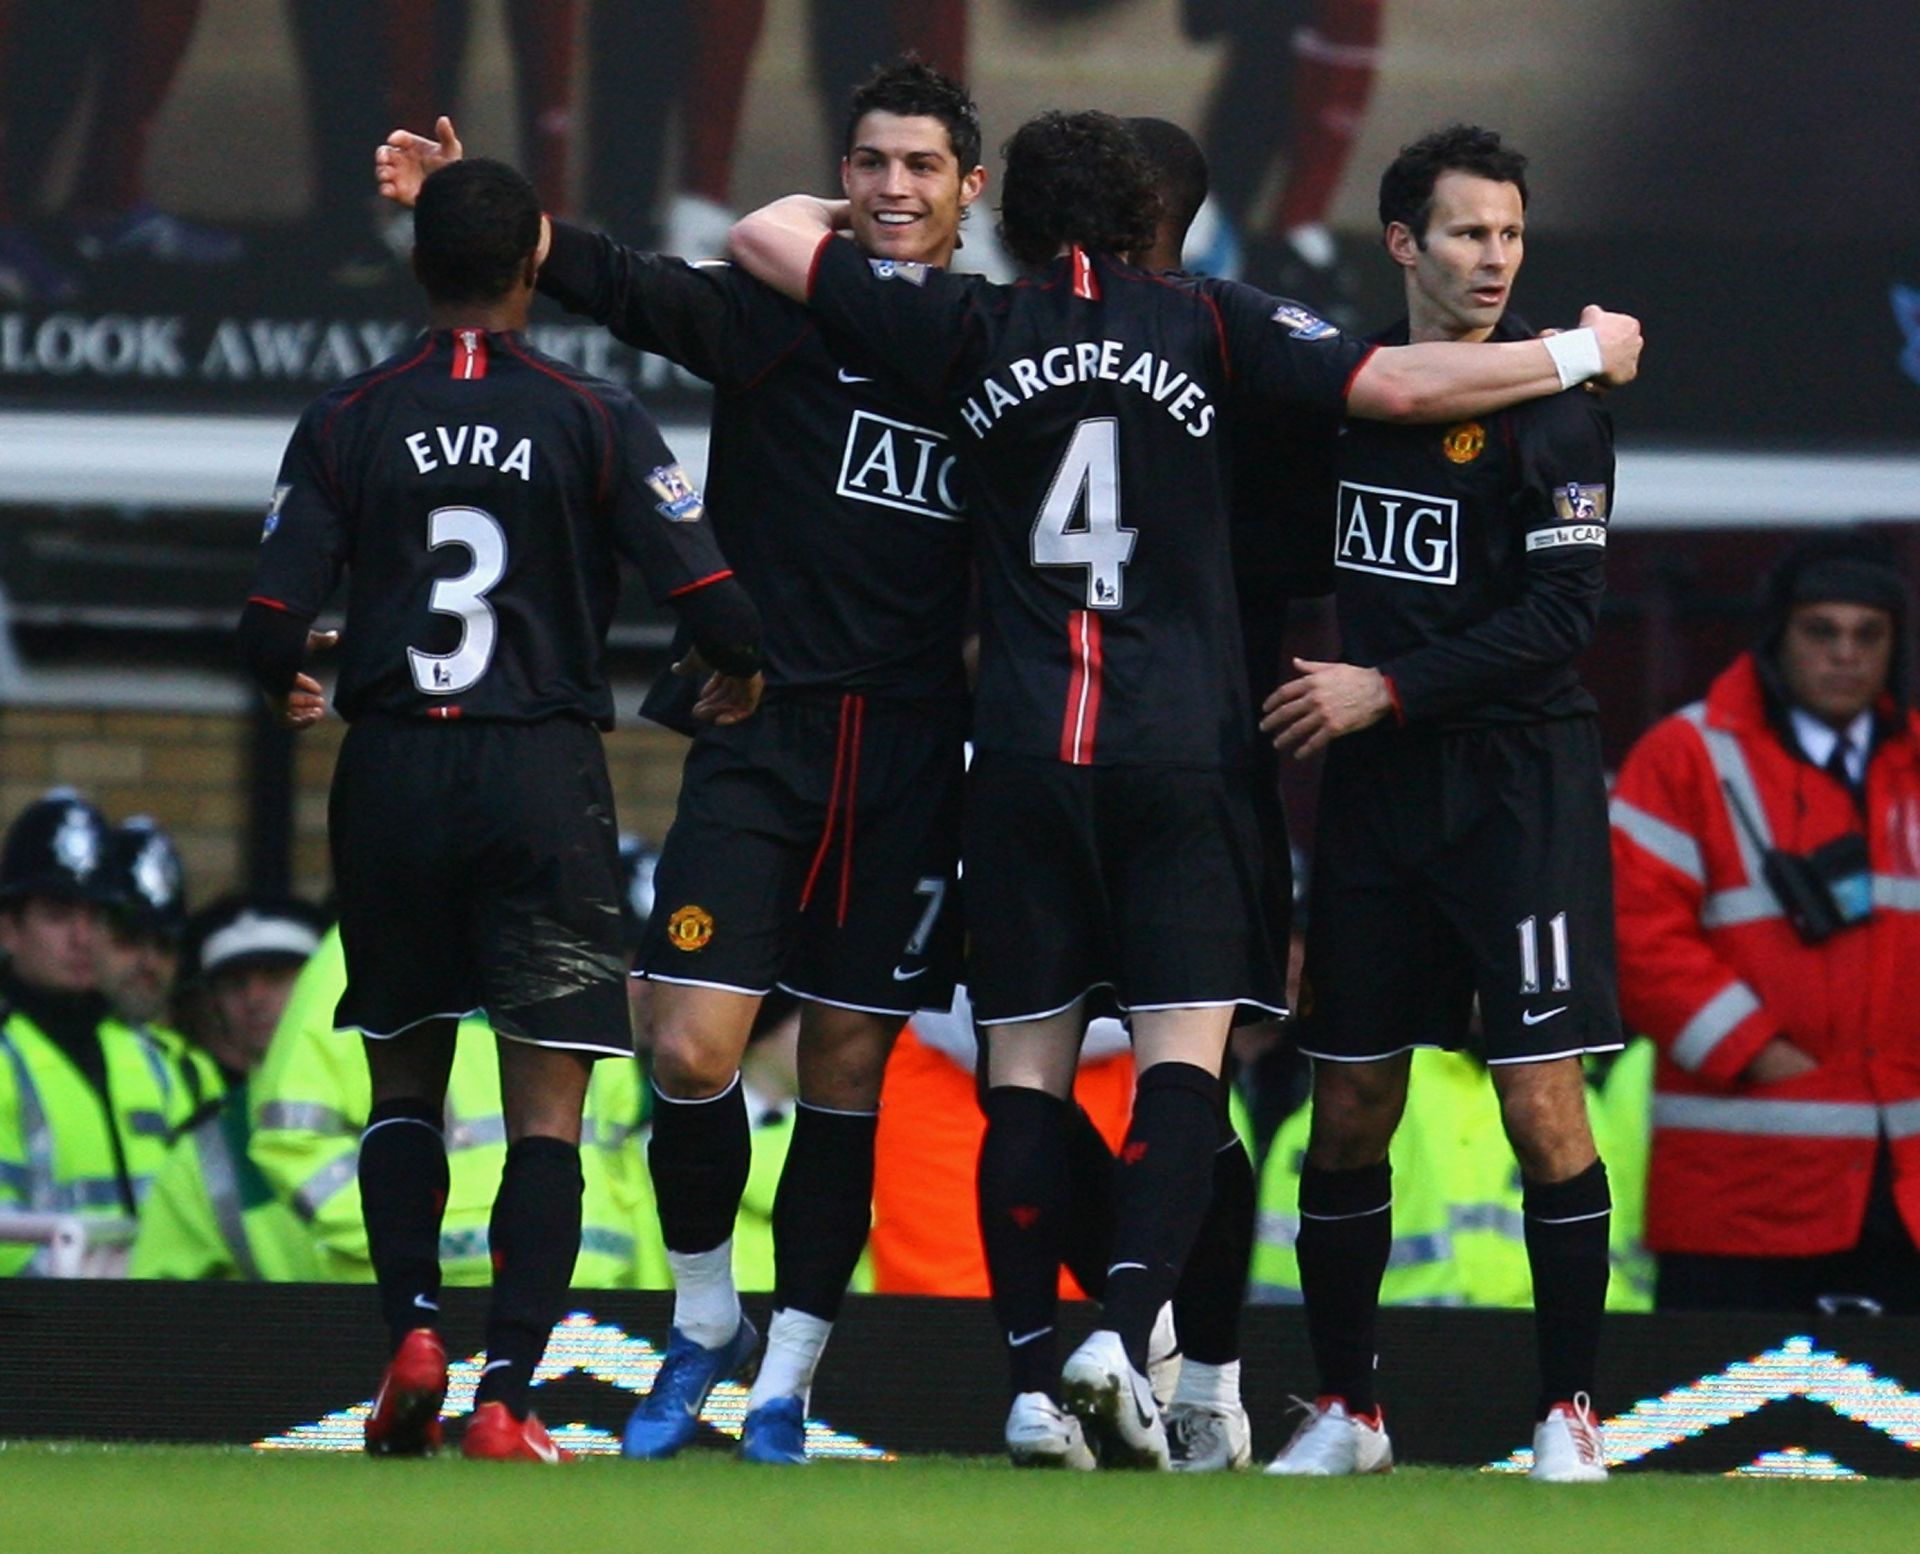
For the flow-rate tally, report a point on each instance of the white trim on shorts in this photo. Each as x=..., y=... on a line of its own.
x=1021, y=1019
x=480, y=1013
x=1434, y=1046
x=1278, y=1011
x=835, y=1003
x=718, y=987
x=1548, y=1057
x=477, y=1012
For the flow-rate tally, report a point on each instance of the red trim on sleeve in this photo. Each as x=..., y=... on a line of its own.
x=271, y=604
x=813, y=264
x=1346, y=389
x=1081, y=721
x=700, y=582
x=1393, y=695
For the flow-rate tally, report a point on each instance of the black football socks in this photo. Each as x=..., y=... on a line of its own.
x=1213, y=1286
x=1086, y=1239
x=823, y=1209
x=1025, y=1196
x=403, y=1192
x=1567, y=1226
x=534, y=1237
x=1161, y=1185
x=699, y=1155
x=1346, y=1232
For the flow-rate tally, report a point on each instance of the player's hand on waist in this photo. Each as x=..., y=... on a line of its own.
x=1619, y=338
x=303, y=705
x=1323, y=703
x=407, y=160
x=728, y=698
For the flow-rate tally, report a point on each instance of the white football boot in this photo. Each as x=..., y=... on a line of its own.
x=1163, y=1357
x=1206, y=1438
x=1041, y=1434
x=1115, y=1404
x=1331, y=1443
x=1568, y=1446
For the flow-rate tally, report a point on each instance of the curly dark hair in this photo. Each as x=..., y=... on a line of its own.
x=1077, y=178
x=475, y=225
x=1406, y=188
x=911, y=88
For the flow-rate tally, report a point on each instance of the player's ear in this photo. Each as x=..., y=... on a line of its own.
x=972, y=186
x=846, y=182
x=1401, y=244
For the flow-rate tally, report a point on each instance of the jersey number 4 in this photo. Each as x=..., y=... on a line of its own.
x=464, y=597
x=1087, y=483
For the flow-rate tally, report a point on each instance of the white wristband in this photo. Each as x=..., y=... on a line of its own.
x=1576, y=356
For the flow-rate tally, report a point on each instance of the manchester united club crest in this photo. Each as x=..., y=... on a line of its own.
x=1464, y=443
x=690, y=928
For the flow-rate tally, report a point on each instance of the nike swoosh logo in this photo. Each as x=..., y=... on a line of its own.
x=1145, y=1415
x=546, y=1451
x=852, y=377
x=426, y=1305
x=907, y=976
x=1020, y=1340
x=1528, y=1017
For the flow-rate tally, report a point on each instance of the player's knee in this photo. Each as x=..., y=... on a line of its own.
x=688, y=1066
x=1545, y=1116
x=1356, y=1107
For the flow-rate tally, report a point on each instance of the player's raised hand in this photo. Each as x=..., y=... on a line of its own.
x=728, y=698
x=1324, y=702
x=1619, y=338
x=407, y=160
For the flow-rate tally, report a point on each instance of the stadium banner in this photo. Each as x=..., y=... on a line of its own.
x=293, y=1368
x=1773, y=251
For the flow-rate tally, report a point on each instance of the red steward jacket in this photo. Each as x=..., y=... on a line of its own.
x=1711, y=970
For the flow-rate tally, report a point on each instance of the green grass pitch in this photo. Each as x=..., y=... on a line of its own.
x=184, y=1500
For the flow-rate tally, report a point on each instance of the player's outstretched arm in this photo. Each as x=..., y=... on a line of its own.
x=406, y=160
x=776, y=244
x=1444, y=381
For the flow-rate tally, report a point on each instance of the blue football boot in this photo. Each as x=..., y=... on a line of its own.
x=775, y=1432
x=669, y=1415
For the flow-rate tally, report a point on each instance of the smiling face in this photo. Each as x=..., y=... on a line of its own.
x=906, y=187
x=1459, y=273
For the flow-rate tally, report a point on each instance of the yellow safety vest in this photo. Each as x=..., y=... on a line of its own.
x=58, y=1133
x=1459, y=1235
x=309, y=1103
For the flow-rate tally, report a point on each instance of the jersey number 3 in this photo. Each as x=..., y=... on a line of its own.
x=1088, y=479
x=464, y=597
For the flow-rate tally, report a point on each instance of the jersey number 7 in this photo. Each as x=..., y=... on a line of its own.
x=1088, y=478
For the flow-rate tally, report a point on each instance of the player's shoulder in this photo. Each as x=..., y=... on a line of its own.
x=568, y=383
x=411, y=356
x=1568, y=418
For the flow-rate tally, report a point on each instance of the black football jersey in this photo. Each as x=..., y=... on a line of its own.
x=1471, y=557
x=478, y=494
x=1089, y=406
x=839, y=506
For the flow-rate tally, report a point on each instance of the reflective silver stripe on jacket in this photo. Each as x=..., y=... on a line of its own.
x=314, y=1193
x=1665, y=841
x=1737, y=786
x=1420, y=1251
x=1902, y=1119
x=302, y=1117
x=84, y=1194
x=222, y=1182
x=1276, y=1229
x=1896, y=893
x=34, y=1132
x=1780, y=1119
x=147, y=1124
x=1712, y=1023
x=1274, y=1294
x=1745, y=904
x=1494, y=1217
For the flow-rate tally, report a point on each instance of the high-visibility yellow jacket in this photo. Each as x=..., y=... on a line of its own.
x=58, y=1133
x=1459, y=1238
x=309, y=1103
x=211, y=1214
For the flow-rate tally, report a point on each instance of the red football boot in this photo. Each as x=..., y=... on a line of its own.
x=494, y=1435
x=405, y=1421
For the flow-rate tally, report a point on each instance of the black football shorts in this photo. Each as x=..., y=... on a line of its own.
x=1447, y=866
x=1144, y=883
x=477, y=866
x=814, y=849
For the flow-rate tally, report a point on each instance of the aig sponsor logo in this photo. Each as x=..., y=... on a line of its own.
x=897, y=464
x=1403, y=534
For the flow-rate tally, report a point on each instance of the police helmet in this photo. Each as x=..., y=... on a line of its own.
x=55, y=847
x=141, y=881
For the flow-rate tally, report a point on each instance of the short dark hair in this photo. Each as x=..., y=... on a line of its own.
x=1406, y=188
x=911, y=88
x=1077, y=178
x=475, y=225
x=1181, y=167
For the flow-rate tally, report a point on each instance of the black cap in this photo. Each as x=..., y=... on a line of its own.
x=241, y=931
x=1840, y=566
x=142, y=880
x=55, y=847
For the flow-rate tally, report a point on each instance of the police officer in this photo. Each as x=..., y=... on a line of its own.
x=86, y=1102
